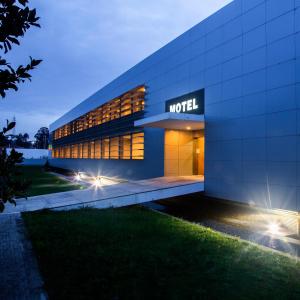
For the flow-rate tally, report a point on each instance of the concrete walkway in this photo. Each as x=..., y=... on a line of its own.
x=19, y=274
x=118, y=195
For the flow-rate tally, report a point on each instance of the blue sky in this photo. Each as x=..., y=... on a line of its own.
x=85, y=44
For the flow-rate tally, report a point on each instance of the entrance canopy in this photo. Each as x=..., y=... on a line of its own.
x=175, y=121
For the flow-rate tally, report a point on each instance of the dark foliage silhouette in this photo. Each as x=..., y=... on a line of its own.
x=15, y=19
x=42, y=138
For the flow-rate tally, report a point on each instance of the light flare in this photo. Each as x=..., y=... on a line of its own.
x=274, y=228
x=97, y=182
x=78, y=177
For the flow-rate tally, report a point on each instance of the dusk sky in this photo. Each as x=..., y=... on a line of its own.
x=85, y=44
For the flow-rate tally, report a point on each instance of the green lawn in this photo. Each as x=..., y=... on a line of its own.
x=134, y=253
x=45, y=183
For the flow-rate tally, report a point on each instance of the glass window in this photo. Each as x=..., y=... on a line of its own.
x=92, y=150
x=126, y=107
x=130, y=146
x=79, y=150
x=85, y=150
x=128, y=103
x=75, y=151
x=105, y=148
x=125, y=147
x=62, y=152
x=98, y=149
x=138, y=145
x=114, y=148
x=67, y=152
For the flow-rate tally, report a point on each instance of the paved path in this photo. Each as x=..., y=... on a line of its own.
x=282, y=244
x=240, y=221
x=19, y=275
x=121, y=194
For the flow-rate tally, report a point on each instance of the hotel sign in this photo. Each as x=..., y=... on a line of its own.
x=192, y=103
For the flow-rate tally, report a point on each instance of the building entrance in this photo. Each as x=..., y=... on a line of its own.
x=184, y=153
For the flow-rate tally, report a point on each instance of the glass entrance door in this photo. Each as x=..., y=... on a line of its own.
x=184, y=153
x=198, y=154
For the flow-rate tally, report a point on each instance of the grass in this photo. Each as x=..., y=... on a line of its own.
x=134, y=253
x=45, y=183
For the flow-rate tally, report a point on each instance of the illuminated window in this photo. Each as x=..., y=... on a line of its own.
x=67, y=152
x=79, y=150
x=97, y=149
x=98, y=116
x=126, y=108
x=92, y=150
x=115, y=109
x=85, y=150
x=138, y=145
x=75, y=151
x=128, y=103
x=105, y=113
x=114, y=148
x=125, y=147
x=54, y=153
x=62, y=152
x=105, y=148
x=129, y=146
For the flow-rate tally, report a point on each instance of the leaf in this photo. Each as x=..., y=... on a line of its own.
x=36, y=25
x=11, y=125
x=35, y=62
x=13, y=40
x=11, y=69
x=25, y=75
x=15, y=19
x=2, y=62
x=23, y=2
x=32, y=14
x=5, y=48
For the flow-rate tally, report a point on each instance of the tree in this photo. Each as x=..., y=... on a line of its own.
x=21, y=141
x=15, y=19
x=42, y=138
x=11, y=184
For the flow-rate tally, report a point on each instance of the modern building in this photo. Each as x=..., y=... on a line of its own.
x=222, y=100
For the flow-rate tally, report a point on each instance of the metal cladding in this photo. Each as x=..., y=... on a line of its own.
x=246, y=61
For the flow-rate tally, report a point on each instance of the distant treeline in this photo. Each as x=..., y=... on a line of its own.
x=41, y=140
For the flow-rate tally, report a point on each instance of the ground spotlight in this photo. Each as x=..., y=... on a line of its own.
x=274, y=228
x=97, y=182
x=77, y=177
